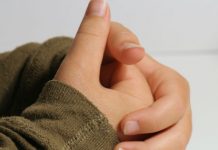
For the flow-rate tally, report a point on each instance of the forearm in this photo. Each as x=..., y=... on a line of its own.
x=60, y=117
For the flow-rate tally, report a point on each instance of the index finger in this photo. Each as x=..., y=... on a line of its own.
x=123, y=45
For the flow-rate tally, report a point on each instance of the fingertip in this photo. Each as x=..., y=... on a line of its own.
x=131, y=56
x=121, y=146
x=138, y=122
x=118, y=147
x=108, y=13
x=97, y=8
x=130, y=125
x=130, y=146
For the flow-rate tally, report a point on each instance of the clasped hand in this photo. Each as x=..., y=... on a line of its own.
x=146, y=102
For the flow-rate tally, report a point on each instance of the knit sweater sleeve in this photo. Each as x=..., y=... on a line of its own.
x=12, y=65
x=61, y=118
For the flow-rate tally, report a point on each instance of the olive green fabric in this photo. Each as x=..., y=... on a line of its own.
x=38, y=112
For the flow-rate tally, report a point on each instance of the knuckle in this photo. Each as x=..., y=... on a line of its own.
x=186, y=83
x=180, y=107
x=182, y=79
x=183, y=88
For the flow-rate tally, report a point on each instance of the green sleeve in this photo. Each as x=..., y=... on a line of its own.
x=50, y=114
x=11, y=68
x=61, y=119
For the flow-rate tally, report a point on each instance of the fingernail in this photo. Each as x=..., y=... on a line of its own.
x=131, y=127
x=97, y=8
x=131, y=45
x=121, y=149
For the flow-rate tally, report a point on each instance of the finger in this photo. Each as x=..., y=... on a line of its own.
x=124, y=80
x=85, y=56
x=171, y=94
x=123, y=45
x=176, y=137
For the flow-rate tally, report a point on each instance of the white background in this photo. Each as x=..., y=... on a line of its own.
x=180, y=33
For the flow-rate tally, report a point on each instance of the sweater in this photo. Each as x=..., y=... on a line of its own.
x=38, y=112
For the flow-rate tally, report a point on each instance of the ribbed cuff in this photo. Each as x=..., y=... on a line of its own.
x=91, y=128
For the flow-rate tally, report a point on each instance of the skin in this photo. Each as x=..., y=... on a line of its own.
x=160, y=104
x=171, y=111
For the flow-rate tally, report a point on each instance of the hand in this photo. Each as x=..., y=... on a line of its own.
x=168, y=118
x=82, y=68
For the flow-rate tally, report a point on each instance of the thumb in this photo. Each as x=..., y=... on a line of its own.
x=84, y=58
